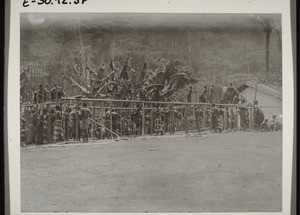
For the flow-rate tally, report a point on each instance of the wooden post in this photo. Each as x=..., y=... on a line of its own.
x=210, y=121
x=200, y=121
x=102, y=121
x=186, y=119
x=143, y=118
x=225, y=119
x=238, y=119
x=121, y=120
x=255, y=92
x=77, y=119
x=92, y=104
x=205, y=117
x=110, y=118
x=165, y=119
x=249, y=118
x=151, y=127
x=181, y=117
x=194, y=119
x=49, y=124
x=172, y=124
x=131, y=122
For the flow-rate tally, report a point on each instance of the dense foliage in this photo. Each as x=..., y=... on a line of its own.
x=60, y=48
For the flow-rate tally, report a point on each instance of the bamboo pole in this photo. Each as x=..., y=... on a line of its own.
x=77, y=121
x=131, y=124
x=143, y=118
x=204, y=117
x=149, y=102
x=151, y=127
x=93, y=115
x=101, y=118
x=105, y=127
x=165, y=119
x=121, y=114
x=186, y=119
x=225, y=119
x=172, y=119
x=249, y=118
x=194, y=119
x=110, y=116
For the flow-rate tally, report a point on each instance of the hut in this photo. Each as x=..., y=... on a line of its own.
x=269, y=98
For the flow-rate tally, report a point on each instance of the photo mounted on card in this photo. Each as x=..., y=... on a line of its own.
x=150, y=107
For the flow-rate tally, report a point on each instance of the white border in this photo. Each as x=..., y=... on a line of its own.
x=153, y=6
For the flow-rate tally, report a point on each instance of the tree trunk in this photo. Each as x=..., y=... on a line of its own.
x=113, y=48
x=189, y=55
x=268, y=32
x=279, y=40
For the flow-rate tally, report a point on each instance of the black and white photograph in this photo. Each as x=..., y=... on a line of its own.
x=151, y=112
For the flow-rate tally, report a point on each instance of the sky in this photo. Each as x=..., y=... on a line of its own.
x=143, y=20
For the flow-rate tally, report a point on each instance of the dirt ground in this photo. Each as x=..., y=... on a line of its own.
x=232, y=172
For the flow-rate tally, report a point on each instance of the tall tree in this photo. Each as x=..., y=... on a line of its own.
x=267, y=23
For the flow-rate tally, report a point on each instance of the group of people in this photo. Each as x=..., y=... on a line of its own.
x=44, y=95
x=230, y=95
x=272, y=125
x=62, y=123
x=55, y=125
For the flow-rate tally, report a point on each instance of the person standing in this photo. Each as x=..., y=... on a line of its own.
x=215, y=113
x=212, y=94
x=230, y=94
x=75, y=125
x=51, y=125
x=224, y=93
x=57, y=127
x=42, y=127
x=84, y=115
x=40, y=94
x=258, y=115
x=32, y=126
x=189, y=96
x=203, y=95
x=67, y=123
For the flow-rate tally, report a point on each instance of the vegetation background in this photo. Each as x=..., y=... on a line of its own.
x=217, y=48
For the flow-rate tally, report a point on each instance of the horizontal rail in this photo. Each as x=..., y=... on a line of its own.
x=64, y=100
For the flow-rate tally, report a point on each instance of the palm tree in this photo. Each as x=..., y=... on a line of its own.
x=268, y=24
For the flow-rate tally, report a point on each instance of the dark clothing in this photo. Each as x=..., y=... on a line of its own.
x=84, y=123
x=32, y=129
x=55, y=94
x=42, y=129
x=67, y=126
x=52, y=120
x=215, y=113
x=189, y=97
x=203, y=96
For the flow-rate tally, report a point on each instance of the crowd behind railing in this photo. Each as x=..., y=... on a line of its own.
x=83, y=119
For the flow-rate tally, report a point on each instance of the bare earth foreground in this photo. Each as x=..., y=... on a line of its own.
x=233, y=172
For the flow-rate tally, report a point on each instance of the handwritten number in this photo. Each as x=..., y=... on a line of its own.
x=41, y=1
x=25, y=3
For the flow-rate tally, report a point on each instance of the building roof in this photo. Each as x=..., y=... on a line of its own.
x=263, y=88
